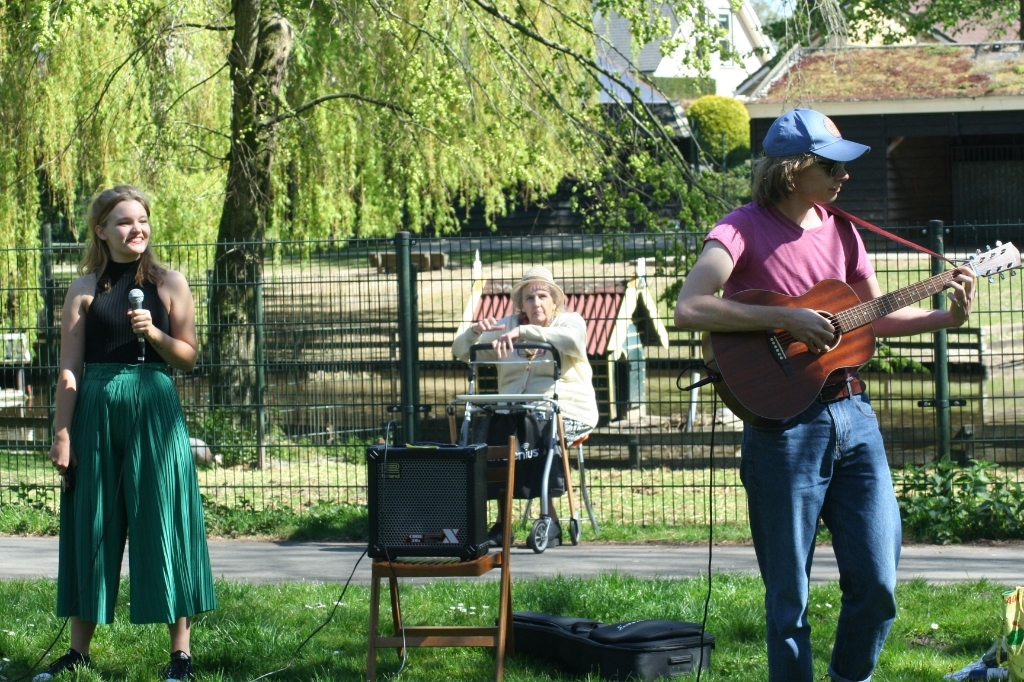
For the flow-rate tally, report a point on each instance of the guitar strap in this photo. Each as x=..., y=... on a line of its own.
x=835, y=211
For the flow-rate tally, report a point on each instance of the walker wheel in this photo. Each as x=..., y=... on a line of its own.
x=537, y=540
x=574, y=531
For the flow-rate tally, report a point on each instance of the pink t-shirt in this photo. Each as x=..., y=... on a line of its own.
x=770, y=251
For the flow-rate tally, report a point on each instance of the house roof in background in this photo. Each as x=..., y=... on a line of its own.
x=894, y=79
x=615, y=40
x=612, y=93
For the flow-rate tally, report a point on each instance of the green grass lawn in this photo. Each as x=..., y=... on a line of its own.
x=258, y=626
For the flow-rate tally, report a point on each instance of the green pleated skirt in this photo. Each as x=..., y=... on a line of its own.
x=155, y=502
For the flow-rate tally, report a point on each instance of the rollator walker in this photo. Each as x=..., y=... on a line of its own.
x=546, y=410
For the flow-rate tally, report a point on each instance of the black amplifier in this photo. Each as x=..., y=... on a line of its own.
x=427, y=501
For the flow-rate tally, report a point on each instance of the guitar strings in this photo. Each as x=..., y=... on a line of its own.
x=851, y=318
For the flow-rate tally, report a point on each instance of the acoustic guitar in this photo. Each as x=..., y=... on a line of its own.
x=768, y=376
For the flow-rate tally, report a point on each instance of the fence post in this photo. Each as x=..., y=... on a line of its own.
x=941, y=368
x=408, y=344
x=261, y=418
x=46, y=265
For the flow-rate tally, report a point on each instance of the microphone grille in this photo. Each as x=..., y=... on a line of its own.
x=136, y=295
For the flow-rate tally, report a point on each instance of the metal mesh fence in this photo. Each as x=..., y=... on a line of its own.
x=300, y=366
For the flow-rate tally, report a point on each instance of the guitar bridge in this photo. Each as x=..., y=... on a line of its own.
x=778, y=352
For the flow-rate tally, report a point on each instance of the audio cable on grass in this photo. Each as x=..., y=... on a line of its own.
x=338, y=601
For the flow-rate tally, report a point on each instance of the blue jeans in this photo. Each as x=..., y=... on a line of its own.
x=831, y=464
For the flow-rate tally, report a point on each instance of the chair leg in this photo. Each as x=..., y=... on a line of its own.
x=371, y=649
x=396, y=611
x=568, y=471
x=510, y=633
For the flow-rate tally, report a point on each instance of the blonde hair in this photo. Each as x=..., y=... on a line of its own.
x=97, y=255
x=774, y=176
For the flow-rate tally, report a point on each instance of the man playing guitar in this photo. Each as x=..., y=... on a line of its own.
x=829, y=461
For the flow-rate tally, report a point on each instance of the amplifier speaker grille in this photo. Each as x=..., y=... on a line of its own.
x=427, y=501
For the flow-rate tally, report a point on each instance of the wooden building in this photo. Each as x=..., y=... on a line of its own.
x=621, y=318
x=945, y=124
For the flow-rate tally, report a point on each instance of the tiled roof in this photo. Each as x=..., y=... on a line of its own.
x=614, y=39
x=899, y=73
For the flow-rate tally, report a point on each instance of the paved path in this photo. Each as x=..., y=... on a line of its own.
x=269, y=562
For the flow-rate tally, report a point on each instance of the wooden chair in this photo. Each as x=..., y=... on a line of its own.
x=500, y=636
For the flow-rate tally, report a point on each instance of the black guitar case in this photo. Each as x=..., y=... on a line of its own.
x=637, y=650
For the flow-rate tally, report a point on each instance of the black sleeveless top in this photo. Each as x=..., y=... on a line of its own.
x=108, y=331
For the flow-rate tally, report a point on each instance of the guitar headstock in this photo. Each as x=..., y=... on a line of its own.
x=1004, y=258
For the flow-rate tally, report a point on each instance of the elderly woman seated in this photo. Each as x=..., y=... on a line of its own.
x=539, y=315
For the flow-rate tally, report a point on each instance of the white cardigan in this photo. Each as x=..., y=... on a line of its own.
x=567, y=333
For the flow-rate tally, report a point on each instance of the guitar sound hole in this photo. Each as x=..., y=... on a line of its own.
x=838, y=332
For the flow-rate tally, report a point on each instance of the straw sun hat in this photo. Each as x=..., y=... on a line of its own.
x=537, y=275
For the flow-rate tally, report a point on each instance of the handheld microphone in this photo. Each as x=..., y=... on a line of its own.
x=135, y=297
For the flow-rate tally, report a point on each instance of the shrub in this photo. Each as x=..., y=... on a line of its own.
x=887, y=361
x=712, y=115
x=949, y=503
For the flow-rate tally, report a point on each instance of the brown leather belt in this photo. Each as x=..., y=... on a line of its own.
x=833, y=392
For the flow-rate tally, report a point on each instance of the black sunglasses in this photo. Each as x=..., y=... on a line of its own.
x=835, y=167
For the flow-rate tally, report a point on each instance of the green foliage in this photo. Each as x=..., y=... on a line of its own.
x=712, y=116
x=33, y=511
x=232, y=436
x=888, y=361
x=613, y=249
x=440, y=105
x=324, y=520
x=684, y=88
x=949, y=503
x=893, y=21
x=875, y=18
x=647, y=192
x=677, y=258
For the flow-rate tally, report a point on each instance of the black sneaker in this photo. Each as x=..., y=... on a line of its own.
x=494, y=536
x=180, y=669
x=69, y=661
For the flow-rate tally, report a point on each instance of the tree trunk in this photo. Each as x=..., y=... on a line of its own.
x=258, y=59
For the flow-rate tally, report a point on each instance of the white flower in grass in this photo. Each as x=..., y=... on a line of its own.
x=827, y=605
x=336, y=652
x=935, y=626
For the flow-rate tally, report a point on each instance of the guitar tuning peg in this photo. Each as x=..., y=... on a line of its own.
x=1002, y=275
x=1013, y=273
x=998, y=243
x=991, y=280
x=977, y=252
x=988, y=247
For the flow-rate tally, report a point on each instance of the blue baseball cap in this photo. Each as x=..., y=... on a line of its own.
x=804, y=130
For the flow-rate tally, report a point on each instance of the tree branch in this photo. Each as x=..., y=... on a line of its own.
x=658, y=131
x=80, y=124
x=207, y=27
x=179, y=97
x=337, y=95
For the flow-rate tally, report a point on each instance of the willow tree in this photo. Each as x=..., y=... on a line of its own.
x=380, y=114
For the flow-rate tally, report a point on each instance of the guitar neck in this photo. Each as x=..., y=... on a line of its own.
x=865, y=313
